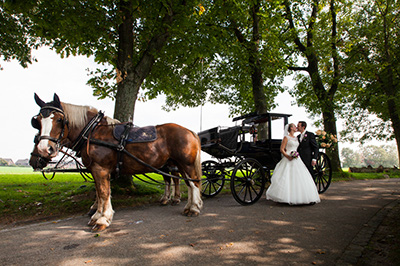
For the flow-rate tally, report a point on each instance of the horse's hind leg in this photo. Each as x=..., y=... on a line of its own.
x=104, y=214
x=195, y=203
x=194, y=172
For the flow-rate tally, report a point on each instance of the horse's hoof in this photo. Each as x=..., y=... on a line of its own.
x=98, y=227
x=164, y=202
x=190, y=213
x=193, y=214
x=175, y=202
x=91, y=222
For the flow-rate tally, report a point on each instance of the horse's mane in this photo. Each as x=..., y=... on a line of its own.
x=77, y=114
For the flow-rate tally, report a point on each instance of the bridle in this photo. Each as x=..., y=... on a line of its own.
x=46, y=111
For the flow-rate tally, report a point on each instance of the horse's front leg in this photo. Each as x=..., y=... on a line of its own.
x=167, y=191
x=177, y=190
x=104, y=214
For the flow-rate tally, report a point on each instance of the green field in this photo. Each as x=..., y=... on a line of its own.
x=26, y=195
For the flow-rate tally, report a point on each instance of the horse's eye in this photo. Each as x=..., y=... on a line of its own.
x=59, y=120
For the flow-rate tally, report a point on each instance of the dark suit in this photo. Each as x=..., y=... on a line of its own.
x=308, y=150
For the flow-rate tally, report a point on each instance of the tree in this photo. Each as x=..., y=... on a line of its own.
x=373, y=70
x=385, y=155
x=237, y=59
x=349, y=158
x=316, y=36
x=16, y=43
x=127, y=35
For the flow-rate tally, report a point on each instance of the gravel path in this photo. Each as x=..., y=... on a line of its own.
x=333, y=232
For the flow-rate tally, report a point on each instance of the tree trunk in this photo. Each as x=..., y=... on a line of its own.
x=325, y=97
x=328, y=111
x=390, y=87
x=130, y=77
x=126, y=90
x=330, y=126
x=260, y=100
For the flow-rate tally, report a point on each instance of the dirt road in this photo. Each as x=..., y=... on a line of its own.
x=226, y=233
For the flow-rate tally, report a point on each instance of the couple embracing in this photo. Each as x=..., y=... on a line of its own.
x=292, y=181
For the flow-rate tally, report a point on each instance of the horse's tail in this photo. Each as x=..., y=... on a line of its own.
x=197, y=163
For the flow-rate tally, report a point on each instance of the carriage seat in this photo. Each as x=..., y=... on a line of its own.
x=135, y=134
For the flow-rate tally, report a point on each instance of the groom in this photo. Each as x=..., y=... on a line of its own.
x=308, y=147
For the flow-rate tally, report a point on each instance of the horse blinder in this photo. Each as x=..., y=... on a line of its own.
x=35, y=122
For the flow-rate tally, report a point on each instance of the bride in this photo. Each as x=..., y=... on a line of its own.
x=291, y=181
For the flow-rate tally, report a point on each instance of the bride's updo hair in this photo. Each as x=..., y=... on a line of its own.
x=290, y=127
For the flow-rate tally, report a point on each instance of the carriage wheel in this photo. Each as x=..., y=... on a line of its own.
x=248, y=181
x=323, y=172
x=213, y=179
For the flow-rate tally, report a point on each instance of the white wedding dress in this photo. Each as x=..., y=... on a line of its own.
x=291, y=181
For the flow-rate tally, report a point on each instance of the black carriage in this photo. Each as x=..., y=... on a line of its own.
x=245, y=155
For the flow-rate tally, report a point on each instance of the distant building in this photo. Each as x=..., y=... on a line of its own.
x=9, y=161
x=22, y=162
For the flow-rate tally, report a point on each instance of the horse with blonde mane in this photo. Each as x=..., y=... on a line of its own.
x=63, y=124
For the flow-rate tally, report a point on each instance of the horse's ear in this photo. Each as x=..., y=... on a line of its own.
x=39, y=101
x=57, y=101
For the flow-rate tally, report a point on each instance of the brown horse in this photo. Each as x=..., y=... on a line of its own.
x=62, y=124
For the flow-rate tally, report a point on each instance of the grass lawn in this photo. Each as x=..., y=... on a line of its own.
x=27, y=195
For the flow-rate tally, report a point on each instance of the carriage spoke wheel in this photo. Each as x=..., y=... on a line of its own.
x=323, y=173
x=248, y=181
x=213, y=179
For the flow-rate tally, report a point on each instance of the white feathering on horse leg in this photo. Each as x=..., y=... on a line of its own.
x=108, y=214
x=105, y=217
x=95, y=217
x=197, y=202
x=189, y=202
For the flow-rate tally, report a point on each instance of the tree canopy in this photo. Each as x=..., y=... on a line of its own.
x=225, y=51
x=373, y=72
x=16, y=40
x=385, y=155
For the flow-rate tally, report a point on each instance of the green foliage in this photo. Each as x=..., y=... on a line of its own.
x=316, y=34
x=213, y=63
x=16, y=43
x=385, y=155
x=372, y=71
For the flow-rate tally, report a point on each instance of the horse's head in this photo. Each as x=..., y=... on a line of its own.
x=52, y=125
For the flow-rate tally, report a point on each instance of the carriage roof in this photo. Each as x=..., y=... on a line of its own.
x=255, y=118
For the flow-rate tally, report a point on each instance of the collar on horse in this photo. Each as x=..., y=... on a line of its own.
x=84, y=135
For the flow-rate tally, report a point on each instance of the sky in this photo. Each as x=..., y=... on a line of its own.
x=68, y=77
